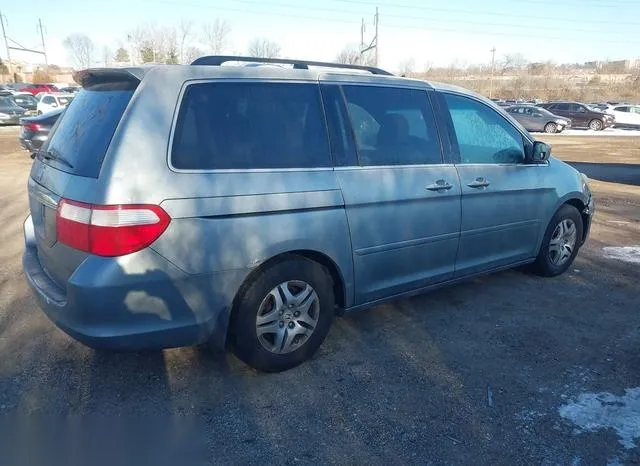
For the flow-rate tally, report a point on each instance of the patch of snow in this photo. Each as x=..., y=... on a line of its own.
x=623, y=253
x=595, y=411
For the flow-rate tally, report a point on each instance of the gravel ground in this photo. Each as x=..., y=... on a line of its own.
x=506, y=369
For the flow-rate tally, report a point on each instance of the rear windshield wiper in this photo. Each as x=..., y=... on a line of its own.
x=51, y=155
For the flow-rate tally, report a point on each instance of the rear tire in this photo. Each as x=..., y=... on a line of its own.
x=561, y=242
x=550, y=128
x=282, y=316
x=596, y=125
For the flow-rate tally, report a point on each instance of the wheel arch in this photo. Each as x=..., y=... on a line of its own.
x=337, y=276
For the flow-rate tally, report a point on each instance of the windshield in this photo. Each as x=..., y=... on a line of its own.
x=84, y=132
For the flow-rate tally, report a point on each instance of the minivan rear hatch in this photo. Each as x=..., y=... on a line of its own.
x=69, y=163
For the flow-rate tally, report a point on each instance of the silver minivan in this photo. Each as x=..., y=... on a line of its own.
x=247, y=205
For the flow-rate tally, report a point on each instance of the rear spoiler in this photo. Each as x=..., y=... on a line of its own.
x=93, y=76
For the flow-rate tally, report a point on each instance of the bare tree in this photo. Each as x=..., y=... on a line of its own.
x=350, y=55
x=406, y=66
x=184, y=31
x=512, y=62
x=80, y=47
x=263, y=48
x=106, y=56
x=215, y=36
x=191, y=53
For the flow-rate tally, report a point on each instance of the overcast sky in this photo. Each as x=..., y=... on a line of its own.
x=435, y=32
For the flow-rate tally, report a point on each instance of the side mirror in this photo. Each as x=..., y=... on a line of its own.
x=540, y=152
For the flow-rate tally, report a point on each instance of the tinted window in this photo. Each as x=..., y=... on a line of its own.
x=392, y=126
x=483, y=135
x=622, y=109
x=250, y=125
x=578, y=108
x=48, y=100
x=562, y=107
x=84, y=132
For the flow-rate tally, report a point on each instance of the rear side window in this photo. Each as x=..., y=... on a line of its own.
x=250, y=125
x=393, y=126
x=84, y=131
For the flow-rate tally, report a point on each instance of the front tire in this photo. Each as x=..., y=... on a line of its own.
x=550, y=128
x=283, y=315
x=596, y=125
x=561, y=242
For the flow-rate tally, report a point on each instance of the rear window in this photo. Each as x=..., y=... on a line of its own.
x=84, y=133
x=250, y=125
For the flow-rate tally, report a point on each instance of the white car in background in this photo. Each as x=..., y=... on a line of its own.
x=51, y=101
x=627, y=116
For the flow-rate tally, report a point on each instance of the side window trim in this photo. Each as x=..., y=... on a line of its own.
x=527, y=142
x=333, y=124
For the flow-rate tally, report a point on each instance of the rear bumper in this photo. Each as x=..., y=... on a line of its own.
x=136, y=302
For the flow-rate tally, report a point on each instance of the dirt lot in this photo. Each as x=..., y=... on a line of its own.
x=507, y=369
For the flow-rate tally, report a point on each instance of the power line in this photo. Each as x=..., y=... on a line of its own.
x=430, y=18
x=600, y=4
x=474, y=12
x=390, y=25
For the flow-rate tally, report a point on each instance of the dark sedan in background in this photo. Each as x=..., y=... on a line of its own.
x=580, y=115
x=10, y=112
x=538, y=119
x=34, y=131
x=26, y=101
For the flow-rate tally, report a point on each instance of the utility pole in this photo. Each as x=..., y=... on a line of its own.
x=362, y=28
x=377, y=21
x=374, y=42
x=44, y=48
x=493, y=62
x=6, y=44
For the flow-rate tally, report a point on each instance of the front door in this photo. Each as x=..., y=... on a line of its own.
x=503, y=198
x=402, y=202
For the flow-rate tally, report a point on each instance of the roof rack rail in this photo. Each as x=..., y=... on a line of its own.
x=217, y=60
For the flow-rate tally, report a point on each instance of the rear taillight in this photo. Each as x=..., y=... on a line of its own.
x=32, y=127
x=109, y=230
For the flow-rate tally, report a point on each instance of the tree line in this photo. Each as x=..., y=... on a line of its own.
x=164, y=44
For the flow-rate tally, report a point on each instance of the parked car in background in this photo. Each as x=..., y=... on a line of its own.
x=52, y=101
x=26, y=101
x=627, y=116
x=227, y=222
x=15, y=86
x=580, y=115
x=10, y=112
x=36, y=89
x=34, y=131
x=538, y=119
x=599, y=106
x=70, y=89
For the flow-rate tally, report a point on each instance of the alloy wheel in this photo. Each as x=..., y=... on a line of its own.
x=287, y=316
x=563, y=242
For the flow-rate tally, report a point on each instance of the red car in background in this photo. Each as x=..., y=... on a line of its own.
x=36, y=89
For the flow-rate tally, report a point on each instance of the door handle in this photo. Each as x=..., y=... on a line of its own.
x=440, y=185
x=479, y=183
